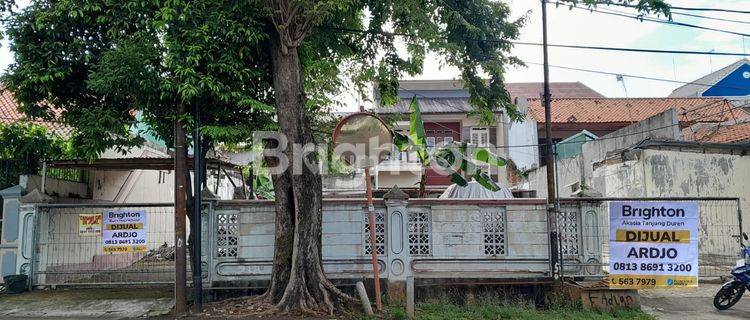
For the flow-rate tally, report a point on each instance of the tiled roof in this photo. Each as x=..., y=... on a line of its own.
x=624, y=110
x=9, y=114
x=448, y=96
x=720, y=133
x=697, y=87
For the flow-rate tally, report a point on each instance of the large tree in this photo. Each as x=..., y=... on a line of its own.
x=99, y=59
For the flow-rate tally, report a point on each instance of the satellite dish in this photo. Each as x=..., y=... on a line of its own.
x=362, y=139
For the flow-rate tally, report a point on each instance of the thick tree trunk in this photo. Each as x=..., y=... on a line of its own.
x=298, y=282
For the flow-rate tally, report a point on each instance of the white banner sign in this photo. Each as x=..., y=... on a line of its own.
x=125, y=231
x=653, y=244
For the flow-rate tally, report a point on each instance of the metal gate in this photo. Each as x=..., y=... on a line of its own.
x=63, y=256
x=583, y=230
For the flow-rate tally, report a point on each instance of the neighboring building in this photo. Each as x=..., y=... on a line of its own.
x=720, y=133
x=446, y=112
x=573, y=145
x=601, y=116
x=732, y=82
x=9, y=113
x=678, y=130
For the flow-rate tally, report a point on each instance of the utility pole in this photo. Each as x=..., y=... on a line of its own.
x=197, y=280
x=180, y=211
x=550, y=157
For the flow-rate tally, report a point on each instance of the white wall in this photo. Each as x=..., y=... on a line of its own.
x=525, y=134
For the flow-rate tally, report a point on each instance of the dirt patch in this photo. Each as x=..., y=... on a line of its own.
x=246, y=308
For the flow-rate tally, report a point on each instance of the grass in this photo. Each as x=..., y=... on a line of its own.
x=447, y=311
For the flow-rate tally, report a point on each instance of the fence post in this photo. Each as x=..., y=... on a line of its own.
x=399, y=262
x=30, y=209
x=208, y=227
x=739, y=219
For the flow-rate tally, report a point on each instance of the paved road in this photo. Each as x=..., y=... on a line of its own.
x=88, y=303
x=691, y=304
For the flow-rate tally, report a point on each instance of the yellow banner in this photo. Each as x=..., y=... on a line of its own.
x=89, y=224
x=125, y=249
x=653, y=236
x=125, y=226
x=628, y=281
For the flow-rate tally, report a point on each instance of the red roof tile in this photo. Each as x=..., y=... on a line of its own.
x=721, y=133
x=9, y=114
x=608, y=110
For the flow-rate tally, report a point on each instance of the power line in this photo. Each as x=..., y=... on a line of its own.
x=622, y=4
x=639, y=77
x=656, y=20
x=569, y=46
x=710, y=18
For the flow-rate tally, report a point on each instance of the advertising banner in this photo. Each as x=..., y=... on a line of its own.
x=89, y=224
x=653, y=244
x=125, y=231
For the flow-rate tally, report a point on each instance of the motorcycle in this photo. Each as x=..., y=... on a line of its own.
x=731, y=292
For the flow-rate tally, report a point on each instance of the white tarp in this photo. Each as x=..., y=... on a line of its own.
x=474, y=190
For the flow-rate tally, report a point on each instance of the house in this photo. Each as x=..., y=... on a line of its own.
x=731, y=82
x=694, y=132
x=9, y=113
x=601, y=116
x=446, y=112
x=573, y=145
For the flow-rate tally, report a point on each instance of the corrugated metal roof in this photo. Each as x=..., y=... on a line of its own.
x=430, y=105
x=451, y=103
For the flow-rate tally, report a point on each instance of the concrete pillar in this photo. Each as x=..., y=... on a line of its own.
x=9, y=233
x=399, y=260
x=28, y=213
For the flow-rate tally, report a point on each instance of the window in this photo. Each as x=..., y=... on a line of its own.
x=379, y=233
x=447, y=141
x=480, y=137
x=493, y=225
x=419, y=233
x=227, y=235
x=430, y=143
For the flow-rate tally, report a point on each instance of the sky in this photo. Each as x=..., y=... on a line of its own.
x=581, y=27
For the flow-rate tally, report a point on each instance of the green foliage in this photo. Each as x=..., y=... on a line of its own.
x=501, y=310
x=97, y=60
x=643, y=6
x=263, y=186
x=28, y=145
x=417, y=135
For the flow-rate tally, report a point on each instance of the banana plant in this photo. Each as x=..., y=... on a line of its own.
x=458, y=159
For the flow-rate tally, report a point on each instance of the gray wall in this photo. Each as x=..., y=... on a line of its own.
x=452, y=233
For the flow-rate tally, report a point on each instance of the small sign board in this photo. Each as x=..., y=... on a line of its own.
x=653, y=244
x=89, y=224
x=125, y=231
